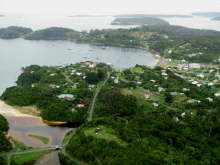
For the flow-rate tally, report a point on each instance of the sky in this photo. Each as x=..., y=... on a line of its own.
x=108, y=6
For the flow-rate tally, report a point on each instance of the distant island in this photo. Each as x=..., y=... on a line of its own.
x=139, y=21
x=14, y=32
x=207, y=14
x=216, y=19
x=153, y=15
x=53, y=33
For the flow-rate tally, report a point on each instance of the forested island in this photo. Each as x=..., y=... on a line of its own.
x=13, y=32
x=216, y=19
x=139, y=21
x=164, y=115
x=153, y=15
x=207, y=14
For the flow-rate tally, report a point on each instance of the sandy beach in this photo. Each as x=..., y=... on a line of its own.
x=22, y=125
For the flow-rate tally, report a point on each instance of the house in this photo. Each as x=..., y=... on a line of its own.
x=91, y=64
x=164, y=74
x=201, y=75
x=185, y=90
x=91, y=86
x=195, y=65
x=183, y=114
x=69, y=97
x=146, y=96
x=157, y=56
x=195, y=82
x=210, y=84
x=160, y=89
x=78, y=73
x=170, y=52
x=54, y=86
x=155, y=105
x=209, y=99
x=173, y=93
x=217, y=94
x=183, y=61
x=193, y=101
x=53, y=74
x=80, y=105
x=116, y=81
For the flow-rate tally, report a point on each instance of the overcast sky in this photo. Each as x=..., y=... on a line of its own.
x=108, y=6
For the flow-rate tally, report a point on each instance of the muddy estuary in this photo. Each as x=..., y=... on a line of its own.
x=23, y=125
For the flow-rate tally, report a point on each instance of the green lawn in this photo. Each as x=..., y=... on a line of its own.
x=43, y=139
x=137, y=70
x=103, y=132
x=21, y=159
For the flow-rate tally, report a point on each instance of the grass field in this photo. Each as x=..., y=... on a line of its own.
x=25, y=158
x=103, y=132
x=43, y=139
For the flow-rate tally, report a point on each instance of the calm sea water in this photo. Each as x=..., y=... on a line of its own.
x=18, y=53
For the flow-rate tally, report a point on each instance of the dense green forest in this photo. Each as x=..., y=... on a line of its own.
x=139, y=21
x=5, y=144
x=163, y=128
x=57, y=91
x=141, y=115
x=53, y=33
x=13, y=32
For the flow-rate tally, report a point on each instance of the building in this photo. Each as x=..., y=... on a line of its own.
x=69, y=97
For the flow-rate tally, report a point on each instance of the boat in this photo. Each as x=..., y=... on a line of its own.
x=54, y=123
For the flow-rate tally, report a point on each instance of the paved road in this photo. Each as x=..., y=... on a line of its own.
x=91, y=110
x=26, y=152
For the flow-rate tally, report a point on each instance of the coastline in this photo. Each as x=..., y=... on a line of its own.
x=21, y=125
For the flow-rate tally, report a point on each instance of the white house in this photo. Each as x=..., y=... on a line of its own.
x=217, y=94
x=66, y=96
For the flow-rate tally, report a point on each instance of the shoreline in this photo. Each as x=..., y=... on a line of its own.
x=21, y=125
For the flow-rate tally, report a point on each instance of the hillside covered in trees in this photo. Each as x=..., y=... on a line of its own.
x=61, y=93
x=141, y=115
x=5, y=144
x=13, y=32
